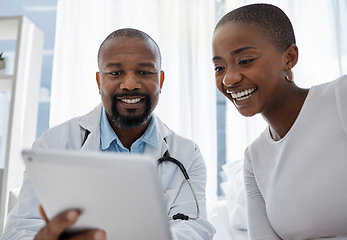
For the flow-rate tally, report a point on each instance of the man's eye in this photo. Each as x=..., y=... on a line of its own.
x=242, y=62
x=114, y=73
x=218, y=69
x=145, y=73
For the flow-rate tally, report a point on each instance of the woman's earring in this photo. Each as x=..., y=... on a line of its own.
x=291, y=78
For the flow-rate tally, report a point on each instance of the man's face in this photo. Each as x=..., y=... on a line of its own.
x=129, y=80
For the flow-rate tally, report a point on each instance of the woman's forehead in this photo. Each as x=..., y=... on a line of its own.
x=239, y=32
x=237, y=28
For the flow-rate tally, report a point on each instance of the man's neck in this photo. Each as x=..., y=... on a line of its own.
x=129, y=135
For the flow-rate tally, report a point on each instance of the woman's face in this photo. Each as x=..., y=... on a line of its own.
x=249, y=69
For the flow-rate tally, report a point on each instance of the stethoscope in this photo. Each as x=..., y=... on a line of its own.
x=167, y=157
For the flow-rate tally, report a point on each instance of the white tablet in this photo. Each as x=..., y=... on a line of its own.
x=119, y=193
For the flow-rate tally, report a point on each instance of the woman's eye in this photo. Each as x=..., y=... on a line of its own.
x=218, y=69
x=242, y=62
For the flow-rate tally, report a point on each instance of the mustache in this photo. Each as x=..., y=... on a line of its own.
x=130, y=94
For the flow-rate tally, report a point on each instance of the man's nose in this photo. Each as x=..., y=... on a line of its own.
x=130, y=82
x=231, y=77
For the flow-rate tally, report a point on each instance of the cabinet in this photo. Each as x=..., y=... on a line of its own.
x=19, y=96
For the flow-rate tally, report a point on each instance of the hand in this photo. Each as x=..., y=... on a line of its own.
x=54, y=229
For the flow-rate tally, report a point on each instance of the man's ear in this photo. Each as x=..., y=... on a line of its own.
x=291, y=57
x=97, y=76
x=162, y=76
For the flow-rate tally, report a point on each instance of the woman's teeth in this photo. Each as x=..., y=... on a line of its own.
x=242, y=95
x=133, y=100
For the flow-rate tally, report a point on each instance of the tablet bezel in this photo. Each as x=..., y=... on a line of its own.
x=117, y=192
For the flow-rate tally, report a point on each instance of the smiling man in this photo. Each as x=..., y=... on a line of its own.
x=129, y=81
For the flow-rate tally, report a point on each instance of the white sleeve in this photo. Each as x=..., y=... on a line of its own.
x=24, y=220
x=258, y=224
x=341, y=101
x=199, y=229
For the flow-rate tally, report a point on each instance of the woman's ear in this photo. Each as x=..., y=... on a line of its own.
x=291, y=57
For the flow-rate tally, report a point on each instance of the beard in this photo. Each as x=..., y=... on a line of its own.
x=130, y=121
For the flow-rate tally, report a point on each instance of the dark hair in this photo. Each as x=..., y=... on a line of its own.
x=130, y=33
x=268, y=17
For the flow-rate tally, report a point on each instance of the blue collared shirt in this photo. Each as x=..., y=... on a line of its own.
x=111, y=142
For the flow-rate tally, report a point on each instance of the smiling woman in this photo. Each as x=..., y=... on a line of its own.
x=252, y=58
x=254, y=48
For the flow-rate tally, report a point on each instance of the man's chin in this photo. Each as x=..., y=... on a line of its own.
x=130, y=117
x=126, y=121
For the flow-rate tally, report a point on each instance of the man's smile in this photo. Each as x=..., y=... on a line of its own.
x=131, y=100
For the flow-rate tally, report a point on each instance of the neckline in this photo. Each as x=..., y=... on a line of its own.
x=304, y=106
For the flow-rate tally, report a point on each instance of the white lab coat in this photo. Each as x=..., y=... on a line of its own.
x=24, y=220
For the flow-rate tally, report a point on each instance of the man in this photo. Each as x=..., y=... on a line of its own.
x=129, y=81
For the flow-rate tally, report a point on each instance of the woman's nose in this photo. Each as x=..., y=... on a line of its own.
x=130, y=82
x=231, y=77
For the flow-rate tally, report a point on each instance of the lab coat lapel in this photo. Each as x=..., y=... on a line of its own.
x=157, y=153
x=165, y=170
x=93, y=142
x=91, y=123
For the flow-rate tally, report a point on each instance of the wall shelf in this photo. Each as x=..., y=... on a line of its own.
x=21, y=108
x=6, y=82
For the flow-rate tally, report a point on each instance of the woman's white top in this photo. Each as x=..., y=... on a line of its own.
x=297, y=187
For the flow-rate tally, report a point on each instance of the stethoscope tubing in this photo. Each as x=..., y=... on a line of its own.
x=167, y=157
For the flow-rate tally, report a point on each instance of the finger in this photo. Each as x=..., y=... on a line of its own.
x=43, y=214
x=58, y=225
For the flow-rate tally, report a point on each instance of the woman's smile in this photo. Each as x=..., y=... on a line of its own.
x=241, y=95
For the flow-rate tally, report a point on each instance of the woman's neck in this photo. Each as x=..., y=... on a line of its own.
x=282, y=118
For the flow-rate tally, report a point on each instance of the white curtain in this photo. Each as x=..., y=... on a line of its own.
x=321, y=36
x=183, y=30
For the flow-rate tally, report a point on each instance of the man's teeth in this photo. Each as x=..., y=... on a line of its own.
x=243, y=95
x=133, y=100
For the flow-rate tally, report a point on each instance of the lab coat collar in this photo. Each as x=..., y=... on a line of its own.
x=163, y=133
x=91, y=123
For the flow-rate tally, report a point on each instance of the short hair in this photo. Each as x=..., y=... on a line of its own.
x=132, y=34
x=268, y=17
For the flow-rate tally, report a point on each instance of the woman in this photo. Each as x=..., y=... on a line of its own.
x=295, y=177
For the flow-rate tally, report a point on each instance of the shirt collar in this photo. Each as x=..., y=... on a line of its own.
x=107, y=134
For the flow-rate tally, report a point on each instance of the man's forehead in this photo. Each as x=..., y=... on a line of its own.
x=121, y=45
x=121, y=64
x=118, y=54
x=133, y=42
